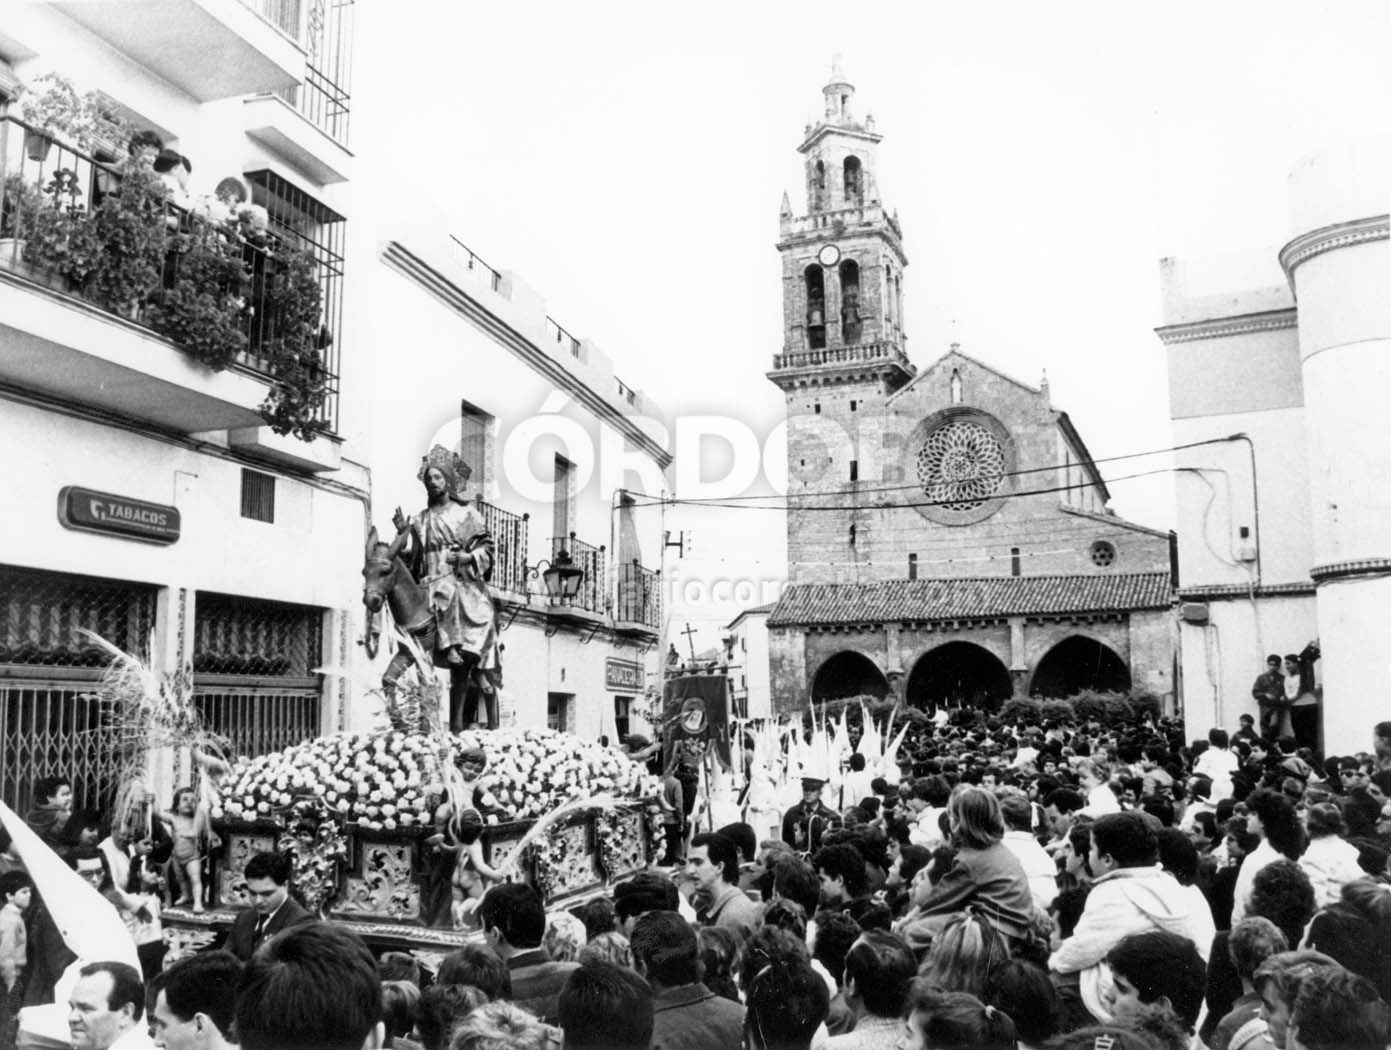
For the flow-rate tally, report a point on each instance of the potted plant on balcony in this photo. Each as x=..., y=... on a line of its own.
x=20, y=202
x=293, y=343
x=58, y=240
x=130, y=227
x=50, y=105
x=203, y=303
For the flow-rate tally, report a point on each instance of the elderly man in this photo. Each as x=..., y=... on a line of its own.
x=106, y=1007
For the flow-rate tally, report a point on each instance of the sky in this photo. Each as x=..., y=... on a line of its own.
x=628, y=160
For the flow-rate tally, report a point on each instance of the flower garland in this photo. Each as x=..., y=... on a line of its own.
x=543, y=874
x=318, y=847
x=608, y=827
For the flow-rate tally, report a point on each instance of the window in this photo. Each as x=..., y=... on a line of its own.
x=1014, y=561
x=852, y=535
x=258, y=496
x=475, y=443
x=1103, y=553
x=854, y=470
x=816, y=307
x=850, y=300
x=816, y=408
x=622, y=715
x=854, y=184
x=853, y=405
x=912, y=566
x=558, y=711
x=563, y=511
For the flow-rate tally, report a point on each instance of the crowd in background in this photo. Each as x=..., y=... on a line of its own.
x=1023, y=885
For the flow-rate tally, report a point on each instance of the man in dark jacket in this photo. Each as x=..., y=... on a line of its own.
x=688, y=1016
x=805, y=823
x=268, y=885
x=1269, y=693
x=514, y=921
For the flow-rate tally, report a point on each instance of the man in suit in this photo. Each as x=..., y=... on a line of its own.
x=268, y=885
x=514, y=920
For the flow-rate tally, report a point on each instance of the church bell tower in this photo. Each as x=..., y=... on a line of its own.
x=843, y=339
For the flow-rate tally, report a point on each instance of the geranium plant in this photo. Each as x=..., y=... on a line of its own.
x=129, y=225
x=202, y=307
x=50, y=105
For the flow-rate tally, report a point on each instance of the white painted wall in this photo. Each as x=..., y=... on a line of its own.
x=751, y=653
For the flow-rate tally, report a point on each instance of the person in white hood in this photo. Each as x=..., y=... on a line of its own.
x=1131, y=894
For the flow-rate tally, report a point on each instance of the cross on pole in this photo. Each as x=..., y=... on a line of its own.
x=689, y=632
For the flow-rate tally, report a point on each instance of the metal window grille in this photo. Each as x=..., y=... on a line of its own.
x=318, y=230
x=259, y=719
x=324, y=28
x=258, y=496
x=509, y=532
x=42, y=614
x=254, y=638
x=594, y=587
x=49, y=722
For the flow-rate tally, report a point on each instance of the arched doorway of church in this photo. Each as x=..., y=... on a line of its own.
x=848, y=674
x=1076, y=664
x=957, y=674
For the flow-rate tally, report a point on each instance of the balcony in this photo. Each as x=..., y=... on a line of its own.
x=593, y=593
x=210, y=324
x=212, y=49
x=639, y=598
x=509, y=532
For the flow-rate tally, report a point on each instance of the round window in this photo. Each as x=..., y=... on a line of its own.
x=961, y=465
x=1103, y=553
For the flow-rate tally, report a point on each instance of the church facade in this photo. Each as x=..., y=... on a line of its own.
x=948, y=534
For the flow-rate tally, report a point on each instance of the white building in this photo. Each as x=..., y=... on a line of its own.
x=748, y=673
x=1284, y=534
x=158, y=509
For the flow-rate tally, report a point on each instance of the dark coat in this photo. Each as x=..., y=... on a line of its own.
x=692, y=1017
x=241, y=939
x=537, y=981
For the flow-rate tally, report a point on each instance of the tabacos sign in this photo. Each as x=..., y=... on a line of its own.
x=113, y=515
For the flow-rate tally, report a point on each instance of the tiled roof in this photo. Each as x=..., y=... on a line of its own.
x=969, y=598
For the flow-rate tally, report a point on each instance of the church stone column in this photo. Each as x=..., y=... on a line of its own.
x=1339, y=265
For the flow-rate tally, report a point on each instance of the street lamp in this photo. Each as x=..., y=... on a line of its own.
x=562, y=576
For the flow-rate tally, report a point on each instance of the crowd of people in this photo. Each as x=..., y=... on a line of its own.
x=1022, y=885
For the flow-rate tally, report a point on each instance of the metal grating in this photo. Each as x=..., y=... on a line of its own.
x=254, y=638
x=258, y=496
x=593, y=593
x=509, y=532
x=257, y=720
x=52, y=727
x=43, y=613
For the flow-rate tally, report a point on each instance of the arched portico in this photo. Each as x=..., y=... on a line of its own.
x=1079, y=663
x=956, y=674
x=848, y=673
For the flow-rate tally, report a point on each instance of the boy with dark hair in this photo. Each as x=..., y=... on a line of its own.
x=477, y=967
x=1159, y=968
x=606, y=1007
x=878, y=970
x=787, y=1003
x=16, y=894
x=686, y=1013
x=314, y=985
x=1249, y=944
x=194, y=1002
x=514, y=921
x=51, y=810
x=841, y=870
x=1129, y=895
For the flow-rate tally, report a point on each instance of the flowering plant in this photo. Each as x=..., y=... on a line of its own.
x=51, y=104
x=318, y=848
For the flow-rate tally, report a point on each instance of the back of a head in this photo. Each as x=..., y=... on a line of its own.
x=1159, y=963
x=882, y=967
x=400, y=1007
x=1024, y=991
x=1178, y=856
x=665, y=949
x=475, y=966
x=963, y=955
x=1283, y=893
x=313, y=985
x=399, y=966
x=835, y=933
x=1018, y=814
x=606, y=1007
x=645, y=891
x=439, y=1007
x=515, y=910
x=1127, y=838
x=957, y=1021
x=500, y=1026
x=1338, y=1010
x=975, y=816
x=744, y=838
x=796, y=880
x=204, y=983
x=1251, y=942
x=787, y=1003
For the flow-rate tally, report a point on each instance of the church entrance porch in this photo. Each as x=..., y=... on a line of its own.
x=1078, y=664
x=957, y=674
x=848, y=674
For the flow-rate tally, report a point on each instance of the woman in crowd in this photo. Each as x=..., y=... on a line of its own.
x=1272, y=817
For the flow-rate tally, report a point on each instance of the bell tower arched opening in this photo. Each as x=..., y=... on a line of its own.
x=850, y=327
x=816, y=307
x=854, y=182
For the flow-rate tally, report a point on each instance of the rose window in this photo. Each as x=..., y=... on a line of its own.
x=961, y=465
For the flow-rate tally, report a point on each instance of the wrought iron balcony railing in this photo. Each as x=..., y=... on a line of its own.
x=54, y=231
x=509, y=532
x=639, y=595
x=593, y=593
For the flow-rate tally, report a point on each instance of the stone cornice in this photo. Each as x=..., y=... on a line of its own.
x=1221, y=328
x=1346, y=570
x=1216, y=592
x=401, y=259
x=1329, y=238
